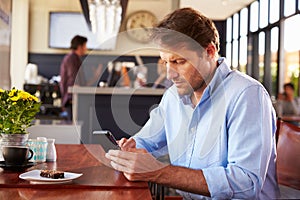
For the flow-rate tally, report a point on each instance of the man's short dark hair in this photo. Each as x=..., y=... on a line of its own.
x=291, y=85
x=186, y=24
x=78, y=40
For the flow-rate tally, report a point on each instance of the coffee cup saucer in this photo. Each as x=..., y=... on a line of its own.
x=16, y=167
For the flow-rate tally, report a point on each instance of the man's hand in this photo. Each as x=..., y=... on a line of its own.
x=126, y=144
x=136, y=164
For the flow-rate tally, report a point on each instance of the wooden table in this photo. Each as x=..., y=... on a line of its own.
x=97, y=182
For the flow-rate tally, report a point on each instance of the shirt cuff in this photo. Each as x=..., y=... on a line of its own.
x=139, y=143
x=218, y=185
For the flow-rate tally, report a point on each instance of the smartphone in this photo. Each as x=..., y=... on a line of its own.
x=109, y=136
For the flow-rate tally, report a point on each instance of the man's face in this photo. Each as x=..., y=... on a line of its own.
x=82, y=49
x=289, y=90
x=188, y=71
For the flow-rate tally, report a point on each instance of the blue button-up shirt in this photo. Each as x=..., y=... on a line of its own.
x=229, y=135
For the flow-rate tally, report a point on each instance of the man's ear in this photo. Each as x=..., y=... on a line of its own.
x=211, y=50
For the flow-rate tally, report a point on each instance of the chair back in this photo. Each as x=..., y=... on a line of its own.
x=288, y=154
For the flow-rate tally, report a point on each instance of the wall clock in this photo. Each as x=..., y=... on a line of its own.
x=139, y=24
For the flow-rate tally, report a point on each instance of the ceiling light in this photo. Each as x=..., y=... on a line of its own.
x=105, y=17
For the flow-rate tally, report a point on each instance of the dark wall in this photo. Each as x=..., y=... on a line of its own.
x=49, y=64
x=221, y=26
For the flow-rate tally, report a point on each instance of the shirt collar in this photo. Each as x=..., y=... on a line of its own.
x=221, y=73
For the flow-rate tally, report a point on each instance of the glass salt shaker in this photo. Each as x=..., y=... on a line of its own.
x=51, y=151
x=41, y=149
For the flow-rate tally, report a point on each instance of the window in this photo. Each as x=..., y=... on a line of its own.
x=228, y=53
x=244, y=22
x=261, y=52
x=235, y=44
x=291, y=51
x=274, y=10
x=263, y=13
x=258, y=48
x=235, y=54
x=243, y=39
x=289, y=7
x=235, y=25
x=229, y=29
x=243, y=53
x=292, y=32
x=274, y=61
x=254, y=16
x=228, y=39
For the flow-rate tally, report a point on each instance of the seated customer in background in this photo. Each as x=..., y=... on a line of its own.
x=287, y=104
x=217, y=124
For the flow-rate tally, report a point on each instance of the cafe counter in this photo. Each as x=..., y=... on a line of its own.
x=123, y=111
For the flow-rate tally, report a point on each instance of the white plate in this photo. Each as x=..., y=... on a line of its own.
x=35, y=178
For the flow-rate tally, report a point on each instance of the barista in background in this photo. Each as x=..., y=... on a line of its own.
x=71, y=74
x=287, y=104
x=162, y=81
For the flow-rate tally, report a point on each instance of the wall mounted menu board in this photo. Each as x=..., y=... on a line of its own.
x=64, y=26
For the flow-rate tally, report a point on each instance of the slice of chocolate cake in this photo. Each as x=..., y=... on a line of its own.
x=52, y=174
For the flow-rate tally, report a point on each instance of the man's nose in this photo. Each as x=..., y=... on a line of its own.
x=171, y=72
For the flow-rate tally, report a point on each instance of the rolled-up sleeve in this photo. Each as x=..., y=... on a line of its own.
x=250, y=128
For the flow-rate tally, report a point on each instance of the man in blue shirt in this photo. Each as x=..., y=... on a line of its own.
x=217, y=124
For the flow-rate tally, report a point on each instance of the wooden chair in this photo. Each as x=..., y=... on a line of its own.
x=158, y=193
x=173, y=198
x=288, y=154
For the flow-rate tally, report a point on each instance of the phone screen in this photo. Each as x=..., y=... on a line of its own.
x=108, y=135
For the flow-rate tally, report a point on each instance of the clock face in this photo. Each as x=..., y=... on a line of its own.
x=139, y=24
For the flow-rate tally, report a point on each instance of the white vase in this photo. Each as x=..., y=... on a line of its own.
x=13, y=139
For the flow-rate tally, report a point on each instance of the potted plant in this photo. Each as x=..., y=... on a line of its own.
x=17, y=111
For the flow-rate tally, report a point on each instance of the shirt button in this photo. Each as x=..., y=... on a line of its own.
x=193, y=129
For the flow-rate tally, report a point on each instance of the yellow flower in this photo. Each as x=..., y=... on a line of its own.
x=15, y=98
x=26, y=96
x=12, y=92
x=23, y=95
x=34, y=98
x=17, y=110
